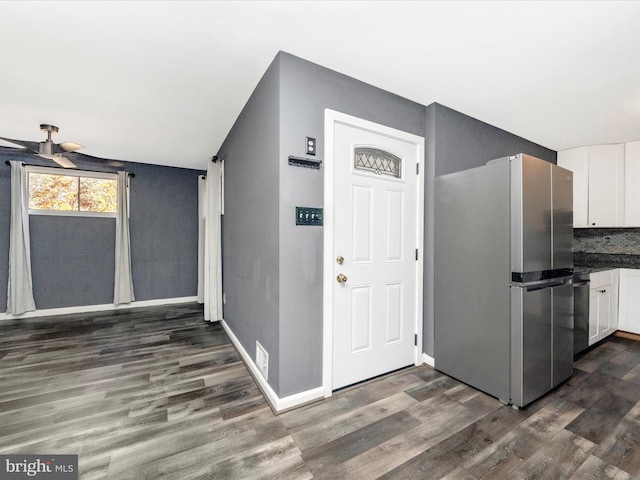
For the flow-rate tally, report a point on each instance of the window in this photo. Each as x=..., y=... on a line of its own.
x=377, y=161
x=64, y=192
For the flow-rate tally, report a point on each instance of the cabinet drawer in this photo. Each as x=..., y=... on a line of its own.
x=601, y=279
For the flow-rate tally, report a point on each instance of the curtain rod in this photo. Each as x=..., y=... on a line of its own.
x=214, y=159
x=7, y=162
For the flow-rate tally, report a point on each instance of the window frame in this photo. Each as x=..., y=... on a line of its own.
x=67, y=173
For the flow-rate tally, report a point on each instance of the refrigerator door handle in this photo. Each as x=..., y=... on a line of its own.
x=541, y=286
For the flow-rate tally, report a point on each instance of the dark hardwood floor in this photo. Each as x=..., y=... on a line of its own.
x=158, y=393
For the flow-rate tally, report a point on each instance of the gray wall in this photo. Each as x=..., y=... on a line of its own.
x=73, y=257
x=250, y=223
x=462, y=142
x=456, y=142
x=72, y=262
x=429, y=238
x=5, y=223
x=164, y=231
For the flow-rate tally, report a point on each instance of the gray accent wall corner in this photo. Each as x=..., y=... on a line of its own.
x=250, y=225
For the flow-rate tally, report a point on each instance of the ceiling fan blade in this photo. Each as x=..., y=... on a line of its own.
x=83, y=157
x=60, y=160
x=33, y=146
x=70, y=146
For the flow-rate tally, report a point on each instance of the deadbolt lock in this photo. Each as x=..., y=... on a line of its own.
x=342, y=278
x=340, y=260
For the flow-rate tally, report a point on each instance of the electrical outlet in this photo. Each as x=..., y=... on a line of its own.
x=311, y=146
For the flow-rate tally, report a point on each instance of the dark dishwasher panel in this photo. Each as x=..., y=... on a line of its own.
x=580, y=311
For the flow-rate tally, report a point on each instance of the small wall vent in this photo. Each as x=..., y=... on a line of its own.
x=262, y=360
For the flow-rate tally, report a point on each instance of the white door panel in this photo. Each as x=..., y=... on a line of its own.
x=394, y=232
x=375, y=231
x=361, y=310
x=393, y=313
x=362, y=223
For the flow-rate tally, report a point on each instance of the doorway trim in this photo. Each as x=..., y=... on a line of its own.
x=332, y=117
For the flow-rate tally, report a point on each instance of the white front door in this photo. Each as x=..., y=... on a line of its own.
x=375, y=269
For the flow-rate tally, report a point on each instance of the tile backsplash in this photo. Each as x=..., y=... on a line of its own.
x=604, y=247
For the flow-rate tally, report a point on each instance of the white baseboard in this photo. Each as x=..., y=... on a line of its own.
x=428, y=360
x=277, y=403
x=97, y=308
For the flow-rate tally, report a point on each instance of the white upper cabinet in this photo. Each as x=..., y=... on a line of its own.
x=606, y=185
x=577, y=160
x=632, y=184
x=598, y=184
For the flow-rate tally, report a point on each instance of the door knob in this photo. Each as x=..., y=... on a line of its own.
x=342, y=278
x=340, y=259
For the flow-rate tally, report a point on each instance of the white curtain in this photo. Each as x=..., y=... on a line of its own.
x=20, y=288
x=210, y=242
x=123, y=285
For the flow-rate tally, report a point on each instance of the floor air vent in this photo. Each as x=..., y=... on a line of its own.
x=262, y=360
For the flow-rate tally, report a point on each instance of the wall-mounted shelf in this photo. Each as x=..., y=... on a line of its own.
x=304, y=162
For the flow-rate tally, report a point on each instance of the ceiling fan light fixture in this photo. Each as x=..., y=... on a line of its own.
x=45, y=148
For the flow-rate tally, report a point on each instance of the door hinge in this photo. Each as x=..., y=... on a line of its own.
x=417, y=169
x=416, y=254
x=415, y=340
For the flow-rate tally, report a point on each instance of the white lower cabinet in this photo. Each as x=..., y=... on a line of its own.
x=603, y=304
x=629, y=310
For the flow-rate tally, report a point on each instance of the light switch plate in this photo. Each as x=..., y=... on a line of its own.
x=308, y=216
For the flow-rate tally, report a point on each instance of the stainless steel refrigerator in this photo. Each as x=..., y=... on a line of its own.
x=503, y=266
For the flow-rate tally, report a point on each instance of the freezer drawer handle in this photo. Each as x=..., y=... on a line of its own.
x=542, y=286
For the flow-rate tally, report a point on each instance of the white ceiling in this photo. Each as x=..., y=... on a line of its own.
x=163, y=82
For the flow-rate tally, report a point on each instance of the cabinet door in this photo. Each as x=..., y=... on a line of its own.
x=632, y=180
x=577, y=160
x=604, y=312
x=629, y=308
x=594, y=312
x=606, y=185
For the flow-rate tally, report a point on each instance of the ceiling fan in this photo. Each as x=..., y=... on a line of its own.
x=48, y=149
